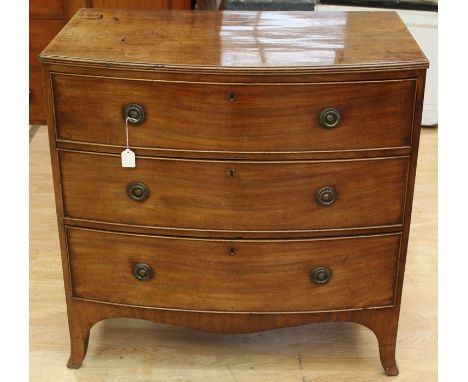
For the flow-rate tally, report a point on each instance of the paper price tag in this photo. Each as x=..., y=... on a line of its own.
x=128, y=158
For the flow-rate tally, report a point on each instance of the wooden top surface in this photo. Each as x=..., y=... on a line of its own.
x=239, y=40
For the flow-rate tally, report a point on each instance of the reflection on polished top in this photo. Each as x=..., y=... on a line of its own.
x=239, y=40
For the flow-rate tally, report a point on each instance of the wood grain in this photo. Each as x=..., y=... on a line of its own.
x=50, y=8
x=241, y=40
x=132, y=4
x=262, y=118
x=202, y=194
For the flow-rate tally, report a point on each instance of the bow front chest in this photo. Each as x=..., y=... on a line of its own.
x=273, y=170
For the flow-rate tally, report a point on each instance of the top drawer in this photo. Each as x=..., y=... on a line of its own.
x=236, y=117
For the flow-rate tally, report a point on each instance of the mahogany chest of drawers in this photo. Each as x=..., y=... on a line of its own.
x=275, y=164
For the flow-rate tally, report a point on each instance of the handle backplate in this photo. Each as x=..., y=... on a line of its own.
x=330, y=117
x=320, y=275
x=137, y=191
x=143, y=272
x=135, y=114
x=326, y=196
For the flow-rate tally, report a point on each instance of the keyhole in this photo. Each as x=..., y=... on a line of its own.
x=231, y=172
x=232, y=251
x=232, y=96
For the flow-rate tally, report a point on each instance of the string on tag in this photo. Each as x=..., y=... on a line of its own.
x=126, y=128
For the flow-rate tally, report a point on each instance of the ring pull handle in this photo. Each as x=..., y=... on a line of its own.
x=135, y=114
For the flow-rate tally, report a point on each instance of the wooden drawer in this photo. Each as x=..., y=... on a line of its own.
x=261, y=118
x=234, y=195
x=262, y=275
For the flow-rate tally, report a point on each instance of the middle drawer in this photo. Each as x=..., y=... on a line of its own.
x=234, y=195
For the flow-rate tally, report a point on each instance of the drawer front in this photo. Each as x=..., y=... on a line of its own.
x=229, y=195
x=243, y=276
x=234, y=117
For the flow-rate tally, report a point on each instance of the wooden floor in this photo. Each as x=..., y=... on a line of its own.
x=123, y=350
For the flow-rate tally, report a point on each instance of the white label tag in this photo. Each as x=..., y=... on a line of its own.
x=128, y=158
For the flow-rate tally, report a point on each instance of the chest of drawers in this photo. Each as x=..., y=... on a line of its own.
x=275, y=164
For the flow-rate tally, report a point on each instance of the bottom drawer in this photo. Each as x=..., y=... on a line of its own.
x=234, y=275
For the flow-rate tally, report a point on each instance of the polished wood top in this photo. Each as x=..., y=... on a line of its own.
x=239, y=40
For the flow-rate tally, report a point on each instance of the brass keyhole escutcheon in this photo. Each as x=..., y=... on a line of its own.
x=232, y=96
x=232, y=251
x=232, y=172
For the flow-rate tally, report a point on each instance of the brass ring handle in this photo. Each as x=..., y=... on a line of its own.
x=137, y=191
x=320, y=275
x=326, y=196
x=143, y=272
x=135, y=114
x=330, y=117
